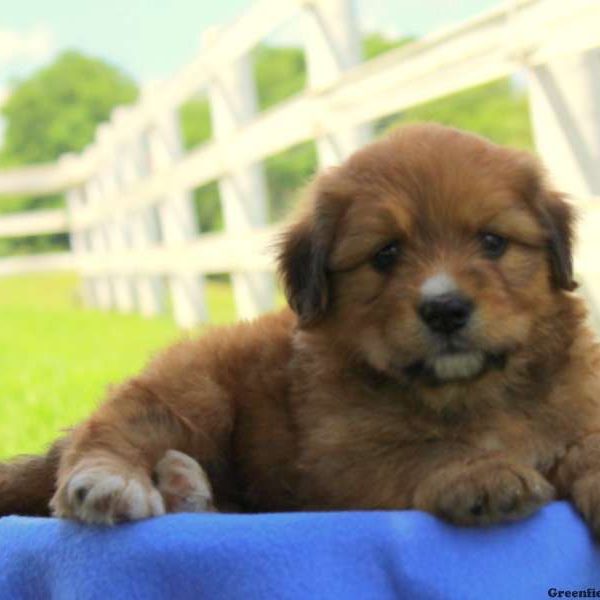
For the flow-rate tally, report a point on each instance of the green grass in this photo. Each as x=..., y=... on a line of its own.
x=57, y=358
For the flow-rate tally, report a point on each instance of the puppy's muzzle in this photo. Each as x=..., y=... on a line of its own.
x=446, y=313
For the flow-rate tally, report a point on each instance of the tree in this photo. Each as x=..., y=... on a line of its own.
x=54, y=111
x=374, y=44
x=59, y=107
x=279, y=72
x=497, y=110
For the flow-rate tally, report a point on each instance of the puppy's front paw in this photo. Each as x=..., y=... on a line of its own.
x=105, y=494
x=586, y=497
x=488, y=491
x=183, y=484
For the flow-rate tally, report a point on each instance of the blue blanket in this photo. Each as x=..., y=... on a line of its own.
x=331, y=556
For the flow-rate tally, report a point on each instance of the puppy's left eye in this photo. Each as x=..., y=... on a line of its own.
x=386, y=258
x=493, y=245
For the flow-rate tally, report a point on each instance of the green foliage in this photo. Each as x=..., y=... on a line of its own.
x=33, y=244
x=374, y=44
x=287, y=172
x=10, y=204
x=280, y=72
x=208, y=207
x=496, y=110
x=83, y=91
x=55, y=111
x=58, y=108
x=196, y=126
x=196, y=129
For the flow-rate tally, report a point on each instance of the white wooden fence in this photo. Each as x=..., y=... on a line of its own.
x=130, y=215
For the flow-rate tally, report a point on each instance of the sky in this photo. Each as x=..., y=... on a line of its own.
x=151, y=39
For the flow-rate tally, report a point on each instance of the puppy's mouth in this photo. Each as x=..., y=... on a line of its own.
x=455, y=366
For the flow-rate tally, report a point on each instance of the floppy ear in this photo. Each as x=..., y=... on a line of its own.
x=559, y=218
x=302, y=264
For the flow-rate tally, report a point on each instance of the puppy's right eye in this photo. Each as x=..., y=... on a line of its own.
x=493, y=245
x=386, y=258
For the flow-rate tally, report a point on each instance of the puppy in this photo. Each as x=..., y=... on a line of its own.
x=433, y=358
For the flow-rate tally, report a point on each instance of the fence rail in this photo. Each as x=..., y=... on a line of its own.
x=36, y=263
x=217, y=253
x=130, y=215
x=42, y=179
x=34, y=222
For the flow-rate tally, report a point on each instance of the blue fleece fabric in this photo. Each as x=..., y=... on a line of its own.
x=313, y=556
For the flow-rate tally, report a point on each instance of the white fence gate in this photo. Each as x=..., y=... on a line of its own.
x=130, y=216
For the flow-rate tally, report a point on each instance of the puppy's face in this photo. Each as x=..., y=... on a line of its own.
x=432, y=255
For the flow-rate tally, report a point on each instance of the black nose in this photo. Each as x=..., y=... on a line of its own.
x=446, y=313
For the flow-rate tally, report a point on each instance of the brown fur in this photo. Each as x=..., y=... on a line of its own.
x=326, y=407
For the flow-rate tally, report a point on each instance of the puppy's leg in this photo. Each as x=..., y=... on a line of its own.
x=488, y=489
x=105, y=474
x=578, y=478
x=457, y=482
x=183, y=484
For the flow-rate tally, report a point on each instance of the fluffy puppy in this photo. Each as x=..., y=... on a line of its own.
x=434, y=358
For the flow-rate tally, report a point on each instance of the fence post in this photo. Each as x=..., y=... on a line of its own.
x=177, y=219
x=243, y=191
x=75, y=201
x=143, y=228
x=565, y=108
x=333, y=45
x=98, y=244
x=116, y=235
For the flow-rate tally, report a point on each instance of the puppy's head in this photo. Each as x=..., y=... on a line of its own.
x=431, y=255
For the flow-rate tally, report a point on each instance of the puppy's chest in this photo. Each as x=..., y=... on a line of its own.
x=518, y=438
x=522, y=445
x=370, y=431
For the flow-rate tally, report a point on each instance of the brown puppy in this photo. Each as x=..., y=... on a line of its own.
x=434, y=358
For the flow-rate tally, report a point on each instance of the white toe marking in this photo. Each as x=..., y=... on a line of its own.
x=438, y=284
x=98, y=485
x=135, y=500
x=109, y=496
x=157, y=504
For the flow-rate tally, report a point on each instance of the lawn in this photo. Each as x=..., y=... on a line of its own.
x=57, y=358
